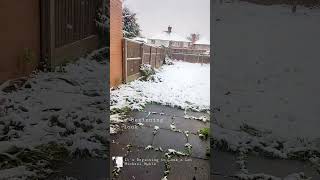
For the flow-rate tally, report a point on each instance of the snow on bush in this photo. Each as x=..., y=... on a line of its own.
x=146, y=72
x=168, y=61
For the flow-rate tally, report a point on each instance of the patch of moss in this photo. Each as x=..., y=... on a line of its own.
x=205, y=132
x=146, y=72
x=123, y=111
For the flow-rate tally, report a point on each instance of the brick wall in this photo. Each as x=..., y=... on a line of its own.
x=115, y=42
x=19, y=31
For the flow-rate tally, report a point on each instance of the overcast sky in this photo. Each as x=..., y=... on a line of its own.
x=185, y=16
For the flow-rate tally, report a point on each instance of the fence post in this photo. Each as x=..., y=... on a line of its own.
x=156, y=58
x=150, y=55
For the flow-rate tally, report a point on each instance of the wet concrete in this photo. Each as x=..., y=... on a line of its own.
x=83, y=170
x=190, y=169
x=150, y=169
x=194, y=166
x=168, y=139
x=139, y=136
x=118, y=149
x=192, y=126
x=199, y=146
x=167, y=110
x=162, y=121
x=138, y=114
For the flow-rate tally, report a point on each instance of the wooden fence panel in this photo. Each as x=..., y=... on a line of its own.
x=146, y=54
x=153, y=57
x=74, y=20
x=189, y=55
x=133, y=49
x=68, y=29
x=135, y=54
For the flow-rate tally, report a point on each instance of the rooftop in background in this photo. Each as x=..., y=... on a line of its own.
x=202, y=41
x=141, y=39
x=169, y=36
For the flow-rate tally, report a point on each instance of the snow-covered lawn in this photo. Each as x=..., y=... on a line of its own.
x=184, y=85
x=266, y=61
x=65, y=108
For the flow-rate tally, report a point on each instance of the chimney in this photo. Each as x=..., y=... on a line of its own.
x=169, y=29
x=193, y=38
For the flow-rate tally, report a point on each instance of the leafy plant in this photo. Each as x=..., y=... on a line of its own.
x=146, y=72
x=205, y=132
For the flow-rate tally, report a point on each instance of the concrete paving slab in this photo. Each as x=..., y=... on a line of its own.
x=140, y=136
x=168, y=139
x=142, y=165
x=167, y=110
x=190, y=169
x=199, y=146
x=189, y=125
x=162, y=121
x=118, y=149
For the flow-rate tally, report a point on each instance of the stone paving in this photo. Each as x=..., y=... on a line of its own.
x=163, y=130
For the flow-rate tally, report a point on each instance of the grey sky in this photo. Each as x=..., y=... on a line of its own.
x=185, y=16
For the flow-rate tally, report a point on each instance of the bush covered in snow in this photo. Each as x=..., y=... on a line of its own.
x=168, y=61
x=147, y=72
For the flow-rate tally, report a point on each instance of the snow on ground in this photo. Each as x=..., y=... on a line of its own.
x=266, y=61
x=185, y=85
x=67, y=107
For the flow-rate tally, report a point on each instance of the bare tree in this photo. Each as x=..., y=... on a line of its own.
x=194, y=37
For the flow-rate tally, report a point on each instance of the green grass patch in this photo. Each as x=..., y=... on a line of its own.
x=123, y=111
x=205, y=132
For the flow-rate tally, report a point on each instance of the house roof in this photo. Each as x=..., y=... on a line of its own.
x=141, y=39
x=202, y=41
x=170, y=37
